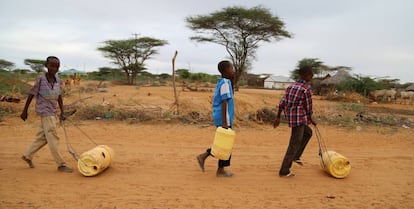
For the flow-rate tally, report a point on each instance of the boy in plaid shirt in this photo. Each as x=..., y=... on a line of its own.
x=297, y=107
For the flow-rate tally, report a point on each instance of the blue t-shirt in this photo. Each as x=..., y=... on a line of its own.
x=223, y=91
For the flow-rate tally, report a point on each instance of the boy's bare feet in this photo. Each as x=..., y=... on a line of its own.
x=28, y=161
x=223, y=173
x=200, y=163
x=201, y=158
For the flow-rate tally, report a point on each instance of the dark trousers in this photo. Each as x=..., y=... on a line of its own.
x=298, y=140
x=221, y=163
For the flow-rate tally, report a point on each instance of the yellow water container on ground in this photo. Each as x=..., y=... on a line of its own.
x=223, y=143
x=95, y=161
x=335, y=164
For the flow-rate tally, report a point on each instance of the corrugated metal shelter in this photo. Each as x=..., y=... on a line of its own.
x=277, y=82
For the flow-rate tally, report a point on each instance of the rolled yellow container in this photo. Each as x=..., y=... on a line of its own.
x=336, y=164
x=223, y=143
x=96, y=160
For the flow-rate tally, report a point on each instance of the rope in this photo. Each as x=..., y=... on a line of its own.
x=83, y=132
x=321, y=142
x=93, y=161
x=336, y=164
x=68, y=145
x=322, y=146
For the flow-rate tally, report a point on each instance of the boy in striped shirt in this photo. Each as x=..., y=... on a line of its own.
x=47, y=89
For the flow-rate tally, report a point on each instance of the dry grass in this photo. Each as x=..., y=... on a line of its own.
x=351, y=97
x=253, y=107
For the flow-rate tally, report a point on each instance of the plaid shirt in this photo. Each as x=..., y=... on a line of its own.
x=297, y=103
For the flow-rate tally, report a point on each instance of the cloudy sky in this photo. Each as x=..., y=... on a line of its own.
x=374, y=37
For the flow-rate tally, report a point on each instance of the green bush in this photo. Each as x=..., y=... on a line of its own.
x=12, y=83
x=360, y=84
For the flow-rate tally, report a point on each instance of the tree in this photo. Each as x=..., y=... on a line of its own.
x=146, y=75
x=201, y=77
x=240, y=30
x=108, y=71
x=360, y=84
x=36, y=65
x=183, y=73
x=130, y=54
x=390, y=83
x=316, y=65
x=22, y=71
x=164, y=76
x=4, y=64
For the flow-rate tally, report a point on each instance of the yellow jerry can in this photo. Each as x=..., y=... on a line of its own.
x=96, y=160
x=335, y=164
x=223, y=143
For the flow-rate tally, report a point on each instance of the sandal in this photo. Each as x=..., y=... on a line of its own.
x=299, y=162
x=290, y=174
x=64, y=168
x=28, y=161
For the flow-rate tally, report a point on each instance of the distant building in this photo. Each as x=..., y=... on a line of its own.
x=254, y=81
x=277, y=82
x=329, y=85
x=410, y=88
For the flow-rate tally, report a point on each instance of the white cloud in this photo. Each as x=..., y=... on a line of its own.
x=373, y=37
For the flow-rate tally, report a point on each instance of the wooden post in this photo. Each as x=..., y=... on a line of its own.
x=173, y=80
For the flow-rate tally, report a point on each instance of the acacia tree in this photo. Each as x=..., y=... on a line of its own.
x=240, y=30
x=36, y=65
x=4, y=64
x=319, y=69
x=316, y=65
x=130, y=54
x=183, y=73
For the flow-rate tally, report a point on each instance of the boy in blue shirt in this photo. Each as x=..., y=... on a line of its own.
x=223, y=112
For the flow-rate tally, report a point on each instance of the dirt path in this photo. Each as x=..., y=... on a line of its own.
x=155, y=164
x=155, y=167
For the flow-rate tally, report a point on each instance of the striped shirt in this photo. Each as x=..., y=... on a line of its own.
x=47, y=95
x=297, y=104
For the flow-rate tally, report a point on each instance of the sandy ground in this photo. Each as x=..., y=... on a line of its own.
x=155, y=165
